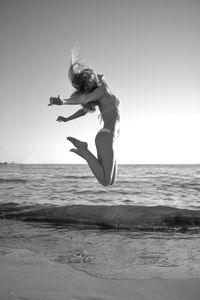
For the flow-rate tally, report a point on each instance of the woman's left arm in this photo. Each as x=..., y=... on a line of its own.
x=80, y=113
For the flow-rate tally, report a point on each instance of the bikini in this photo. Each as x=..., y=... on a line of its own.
x=104, y=129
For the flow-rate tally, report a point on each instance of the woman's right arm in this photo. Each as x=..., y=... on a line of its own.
x=86, y=98
x=59, y=101
x=79, y=99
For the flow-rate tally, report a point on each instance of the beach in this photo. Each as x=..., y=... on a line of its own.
x=25, y=274
x=118, y=216
x=64, y=237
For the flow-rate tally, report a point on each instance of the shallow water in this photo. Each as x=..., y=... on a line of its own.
x=146, y=225
x=109, y=254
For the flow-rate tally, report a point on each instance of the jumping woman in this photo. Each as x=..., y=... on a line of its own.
x=91, y=92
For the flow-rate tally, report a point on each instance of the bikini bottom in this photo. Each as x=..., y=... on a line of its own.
x=108, y=131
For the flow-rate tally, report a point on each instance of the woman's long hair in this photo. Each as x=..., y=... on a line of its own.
x=84, y=80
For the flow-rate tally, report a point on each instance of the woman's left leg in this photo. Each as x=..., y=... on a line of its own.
x=103, y=167
x=94, y=164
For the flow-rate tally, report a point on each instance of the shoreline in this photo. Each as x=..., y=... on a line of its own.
x=25, y=274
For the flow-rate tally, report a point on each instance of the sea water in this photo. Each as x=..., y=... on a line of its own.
x=146, y=225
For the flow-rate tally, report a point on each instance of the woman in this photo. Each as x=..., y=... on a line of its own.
x=92, y=91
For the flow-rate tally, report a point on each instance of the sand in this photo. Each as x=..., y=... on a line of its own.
x=26, y=275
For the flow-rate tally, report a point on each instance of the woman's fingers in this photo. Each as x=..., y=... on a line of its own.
x=60, y=119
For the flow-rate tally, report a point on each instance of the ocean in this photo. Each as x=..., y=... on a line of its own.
x=147, y=225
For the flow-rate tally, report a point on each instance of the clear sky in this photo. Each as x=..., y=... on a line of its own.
x=149, y=51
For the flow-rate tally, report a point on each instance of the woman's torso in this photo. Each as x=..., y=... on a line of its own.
x=109, y=109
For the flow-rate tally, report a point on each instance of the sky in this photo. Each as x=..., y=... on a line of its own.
x=148, y=51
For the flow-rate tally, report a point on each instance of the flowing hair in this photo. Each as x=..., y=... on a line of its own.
x=83, y=79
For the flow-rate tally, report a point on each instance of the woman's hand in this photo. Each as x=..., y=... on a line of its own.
x=61, y=119
x=55, y=101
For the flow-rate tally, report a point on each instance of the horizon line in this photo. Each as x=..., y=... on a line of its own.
x=141, y=164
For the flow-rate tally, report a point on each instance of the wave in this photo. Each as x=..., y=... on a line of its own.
x=77, y=177
x=14, y=180
x=156, y=218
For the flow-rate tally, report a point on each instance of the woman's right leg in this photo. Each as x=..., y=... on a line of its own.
x=105, y=153
x=114, y=174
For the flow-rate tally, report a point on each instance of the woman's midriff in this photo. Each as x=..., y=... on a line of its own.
x=110, y=115
x=111, y=120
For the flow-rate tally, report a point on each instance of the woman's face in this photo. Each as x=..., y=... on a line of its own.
x=89, y=79
x=89, y=76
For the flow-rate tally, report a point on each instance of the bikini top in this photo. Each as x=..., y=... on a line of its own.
x=100, y=115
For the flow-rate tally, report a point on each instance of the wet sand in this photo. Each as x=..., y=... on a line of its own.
x=26, y=275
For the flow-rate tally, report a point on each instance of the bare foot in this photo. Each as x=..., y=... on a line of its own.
x=80, y=146
x=76, y=152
